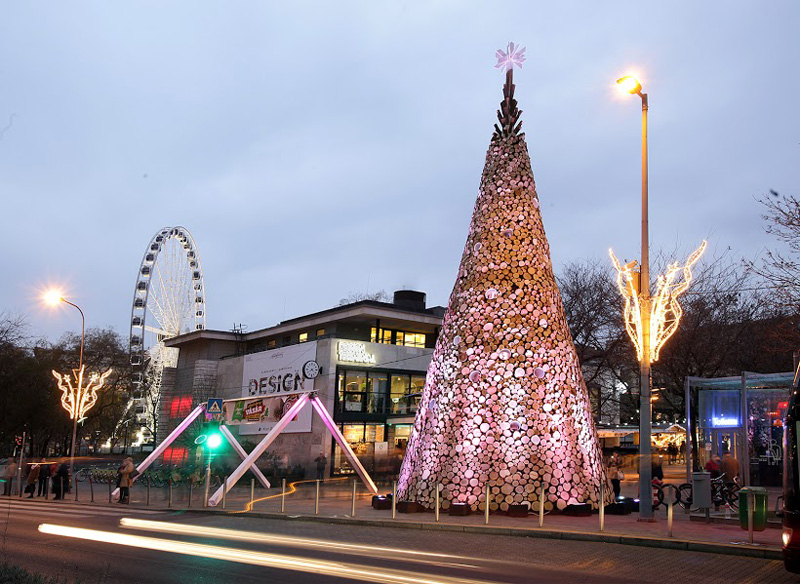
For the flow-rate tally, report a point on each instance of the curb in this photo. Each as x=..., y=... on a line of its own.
x=744, y=549
x=747, y=550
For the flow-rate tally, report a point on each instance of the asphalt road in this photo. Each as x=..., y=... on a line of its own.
x=280, y=551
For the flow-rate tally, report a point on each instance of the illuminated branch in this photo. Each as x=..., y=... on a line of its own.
x=665, y=312
x=77, y=399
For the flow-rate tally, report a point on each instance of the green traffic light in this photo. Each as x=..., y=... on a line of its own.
x=214, y=441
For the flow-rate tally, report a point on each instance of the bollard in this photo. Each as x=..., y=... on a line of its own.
x=316, y=499
x=208, y=485
x=487, y=501
x=601, y=511
x=252, y=492
x=394, y=499
x=91, y=489
x=224, y=490
x=19, y=480
x=751, y=499
x=669, y=519
x=147, y=496
x=438, y=492
x=283, y=495
x=541, y=505
x=169, y=492
x=353, y=502
x=191, y=489
x=109, y=489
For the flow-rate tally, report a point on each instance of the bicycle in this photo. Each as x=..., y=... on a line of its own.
x=721, y=493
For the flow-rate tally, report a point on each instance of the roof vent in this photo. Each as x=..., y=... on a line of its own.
x=410, y=299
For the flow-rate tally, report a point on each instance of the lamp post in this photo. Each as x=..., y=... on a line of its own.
x=53, y=297
x=633, y=86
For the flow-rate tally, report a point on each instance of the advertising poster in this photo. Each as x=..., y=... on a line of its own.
x=274, y=380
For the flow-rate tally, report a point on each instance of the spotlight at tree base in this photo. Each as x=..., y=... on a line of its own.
x=630, y=84
x=665, y=312
x=78, y=398
x=52, y=297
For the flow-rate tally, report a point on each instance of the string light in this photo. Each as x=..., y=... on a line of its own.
x=665, y=312
x=78, y=399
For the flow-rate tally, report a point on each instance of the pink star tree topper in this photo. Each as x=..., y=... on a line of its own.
x=514, y=55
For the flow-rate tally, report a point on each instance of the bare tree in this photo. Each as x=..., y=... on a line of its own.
x=781, y=269
x=379, y=296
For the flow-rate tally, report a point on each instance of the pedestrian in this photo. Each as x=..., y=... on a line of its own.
x=729, y=467
x=61, y=481
x=8, y=476
x=44, y=476
x=125, y=480
x=33, y=479
x=321, y=461
x=712, y=466
x=615, y=472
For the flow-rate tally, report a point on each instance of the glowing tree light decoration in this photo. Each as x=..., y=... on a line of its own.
x=78, y=399
x=665, y=312
x=505, y=403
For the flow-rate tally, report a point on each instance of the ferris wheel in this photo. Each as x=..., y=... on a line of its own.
x=169, y=300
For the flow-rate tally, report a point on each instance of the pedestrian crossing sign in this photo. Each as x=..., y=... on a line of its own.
x=214, y=406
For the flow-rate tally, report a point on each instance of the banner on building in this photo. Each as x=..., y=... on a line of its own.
x=284, y=371
x=259, y=415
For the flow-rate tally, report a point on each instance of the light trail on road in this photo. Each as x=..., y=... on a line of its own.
x=295, y=542
x=255, y=558
x=292, y=489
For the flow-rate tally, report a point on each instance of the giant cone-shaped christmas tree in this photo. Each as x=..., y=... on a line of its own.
x=505, y=402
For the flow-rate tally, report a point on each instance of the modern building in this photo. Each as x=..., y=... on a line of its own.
x=372, y=358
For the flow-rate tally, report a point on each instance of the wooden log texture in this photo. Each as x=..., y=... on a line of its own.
x=505, y=402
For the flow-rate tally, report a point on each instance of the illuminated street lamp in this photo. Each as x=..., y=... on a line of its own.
x=76, y=398
x=649, y=320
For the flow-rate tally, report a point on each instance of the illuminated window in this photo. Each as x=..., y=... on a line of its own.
x=272, y=344
x=386, y=336
x=399, y=337
x=373, y=335
x=414, y=340
x=320, y=332
x=303, y=337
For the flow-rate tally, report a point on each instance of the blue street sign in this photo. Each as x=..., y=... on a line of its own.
x=214, y=406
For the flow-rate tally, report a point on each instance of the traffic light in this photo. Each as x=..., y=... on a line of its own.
x=214, y=441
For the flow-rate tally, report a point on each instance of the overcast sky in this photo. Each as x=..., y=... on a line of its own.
x=318, y=149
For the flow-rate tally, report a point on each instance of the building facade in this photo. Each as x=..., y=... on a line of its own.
x=372, y=358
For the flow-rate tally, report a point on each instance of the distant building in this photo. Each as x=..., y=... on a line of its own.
x=373, y=357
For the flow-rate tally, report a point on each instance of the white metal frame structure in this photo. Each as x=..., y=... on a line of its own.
x=249, y=460
x=168, y=300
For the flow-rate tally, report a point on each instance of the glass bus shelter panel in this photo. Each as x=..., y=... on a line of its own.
x=766, y=410
x=719, y=408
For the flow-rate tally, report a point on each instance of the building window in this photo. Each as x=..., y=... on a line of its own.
x=286, y=340
x=303, y=337
x=368, y=442
x=353, y=391
x=395, y=337
x=320, y=333
x=272, y=343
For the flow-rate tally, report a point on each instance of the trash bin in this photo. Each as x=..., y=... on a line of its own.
x=759, y=507
x=701, y=490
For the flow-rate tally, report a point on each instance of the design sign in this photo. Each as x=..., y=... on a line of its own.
x=279, y=372
x=354, y=352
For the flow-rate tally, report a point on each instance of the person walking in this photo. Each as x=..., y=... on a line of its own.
x=615, y=472
x=125, y=480
x=729, y=467
x=44, y=476
x=33, y=479
x=61, y=481
x=8, y=476
x=321, y=461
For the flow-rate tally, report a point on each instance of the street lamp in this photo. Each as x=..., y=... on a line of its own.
x=649, y=320
x=80, y=398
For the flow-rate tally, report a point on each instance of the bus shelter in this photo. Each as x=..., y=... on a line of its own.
x=740, y=415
